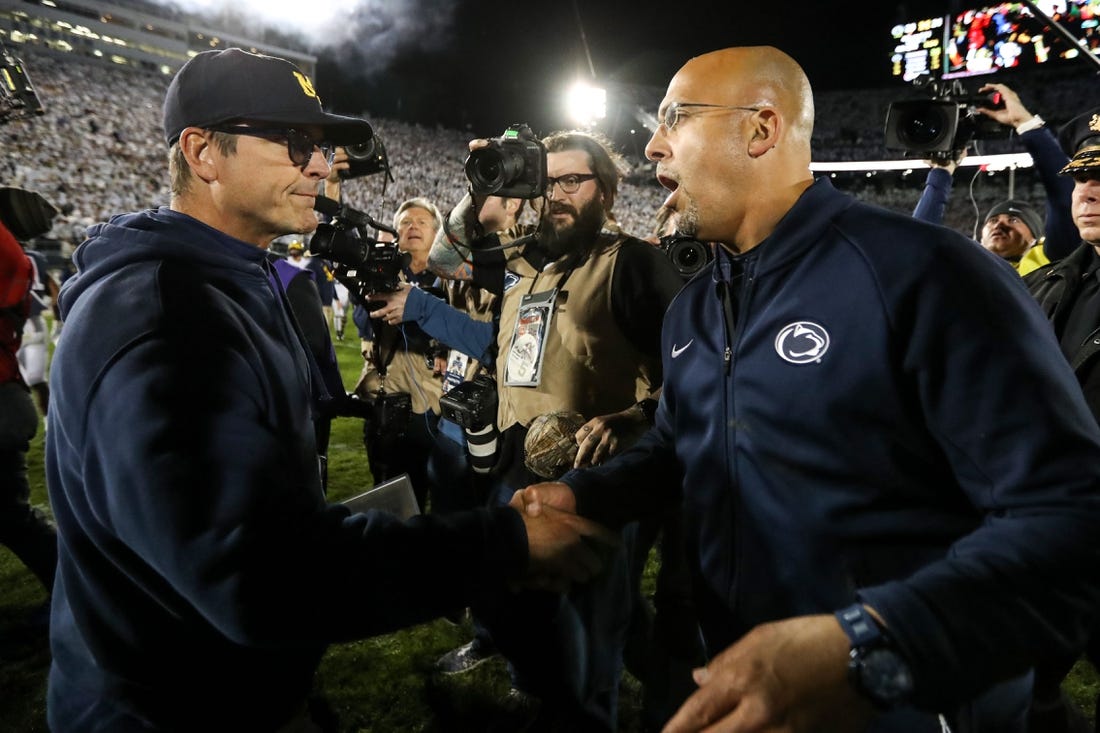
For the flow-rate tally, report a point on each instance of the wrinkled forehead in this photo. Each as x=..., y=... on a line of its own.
x=710, y=78
x=564, y=162
x=416, y=213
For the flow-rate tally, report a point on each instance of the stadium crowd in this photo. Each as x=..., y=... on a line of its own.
x=94, y=152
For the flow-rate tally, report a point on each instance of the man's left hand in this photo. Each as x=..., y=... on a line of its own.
x=393, y=312
x=789, y=675
x=604, y=436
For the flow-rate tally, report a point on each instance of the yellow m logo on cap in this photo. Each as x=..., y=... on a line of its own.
x=306, y=84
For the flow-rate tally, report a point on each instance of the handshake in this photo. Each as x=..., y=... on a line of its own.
x=563, y=548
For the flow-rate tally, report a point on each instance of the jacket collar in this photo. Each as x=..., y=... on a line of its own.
x=799, y=229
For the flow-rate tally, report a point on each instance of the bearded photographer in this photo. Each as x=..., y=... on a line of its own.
x=579, y=331
x=23, y=529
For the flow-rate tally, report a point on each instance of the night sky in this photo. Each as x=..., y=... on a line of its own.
x=497, y=63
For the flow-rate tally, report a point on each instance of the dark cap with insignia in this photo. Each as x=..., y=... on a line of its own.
x=1080, y=139
x=220, y=86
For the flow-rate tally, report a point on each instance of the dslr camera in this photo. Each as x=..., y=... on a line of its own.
x=367, y=158
x=686, y=253
x=944, y=124
x=512, y=165
x=365, y=265
x=472, y=404
x=18, y=99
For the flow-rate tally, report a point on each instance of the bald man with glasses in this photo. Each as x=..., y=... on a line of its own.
x=887, y=538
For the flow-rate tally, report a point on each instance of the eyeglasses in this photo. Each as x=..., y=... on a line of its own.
x=675, y=112
x=299, y=145
x=570, y=182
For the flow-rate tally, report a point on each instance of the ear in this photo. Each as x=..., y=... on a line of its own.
x=199, y=153
x=764, y=131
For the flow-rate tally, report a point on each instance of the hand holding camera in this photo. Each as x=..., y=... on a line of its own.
x=511, y=166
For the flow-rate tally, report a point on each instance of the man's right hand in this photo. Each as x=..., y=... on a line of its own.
x=563, y=548
x=552, y=494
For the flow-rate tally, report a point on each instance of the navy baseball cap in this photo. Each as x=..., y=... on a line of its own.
x=1080, y=139
x=219, y=86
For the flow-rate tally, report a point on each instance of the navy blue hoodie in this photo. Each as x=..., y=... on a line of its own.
x=201, y=572
x=894, y=424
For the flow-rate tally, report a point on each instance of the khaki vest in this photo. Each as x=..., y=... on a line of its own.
x=589, y=365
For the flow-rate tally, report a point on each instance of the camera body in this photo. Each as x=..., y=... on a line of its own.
x=945, y=123
x=686, y=253
x=472, y=404
x=18, y=99
x=365, y=159
x=365, y=265
x=512, y=165
x=385, y=414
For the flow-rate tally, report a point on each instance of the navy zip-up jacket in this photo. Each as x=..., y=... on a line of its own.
x=876, y=432
x=201, y=572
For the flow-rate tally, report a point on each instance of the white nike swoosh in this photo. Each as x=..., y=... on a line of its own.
x=677, y=351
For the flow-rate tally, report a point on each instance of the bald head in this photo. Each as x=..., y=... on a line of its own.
x=760, y=76
x=734, y=143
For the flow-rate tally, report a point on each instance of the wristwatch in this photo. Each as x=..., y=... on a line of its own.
x=648, y=408
x=875, y=668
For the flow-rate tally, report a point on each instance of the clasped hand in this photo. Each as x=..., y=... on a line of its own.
x=563, y=547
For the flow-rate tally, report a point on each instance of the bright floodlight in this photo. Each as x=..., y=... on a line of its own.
x=586, y=103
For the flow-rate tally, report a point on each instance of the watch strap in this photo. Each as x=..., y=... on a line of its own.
x=648, y=408
x=860, y=626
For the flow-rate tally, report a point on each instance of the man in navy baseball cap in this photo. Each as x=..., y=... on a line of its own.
x=200, y=571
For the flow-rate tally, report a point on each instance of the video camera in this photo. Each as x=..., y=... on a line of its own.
x=512, y=165
x=18, y=98
x=686, y=253
x=365, y=265
x=367, y=158
x=944, y=124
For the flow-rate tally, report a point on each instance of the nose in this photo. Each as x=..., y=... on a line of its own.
x=657, y=148
x=554, y=192
x=317, y=167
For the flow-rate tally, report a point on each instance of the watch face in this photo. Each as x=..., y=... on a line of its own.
x=885, y=676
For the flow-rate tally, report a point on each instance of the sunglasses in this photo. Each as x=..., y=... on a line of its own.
x=299, y=146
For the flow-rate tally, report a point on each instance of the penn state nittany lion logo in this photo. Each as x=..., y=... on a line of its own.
x=802, y=342
x=307, y=85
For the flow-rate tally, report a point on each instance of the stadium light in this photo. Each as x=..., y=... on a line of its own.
x=585, y=103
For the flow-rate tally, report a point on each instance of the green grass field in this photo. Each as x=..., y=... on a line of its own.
x=380, y=684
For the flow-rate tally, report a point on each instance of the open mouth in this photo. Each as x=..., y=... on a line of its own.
x=669, y=183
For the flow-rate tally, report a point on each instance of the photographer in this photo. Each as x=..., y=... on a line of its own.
x=23, y=529
x=399, y=359
x=1011, y=229
x=579, y=331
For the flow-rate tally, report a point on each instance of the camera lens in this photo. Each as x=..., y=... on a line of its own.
x=923, y=129
x=361, y=151
x=688, y=256
x=491, y=169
